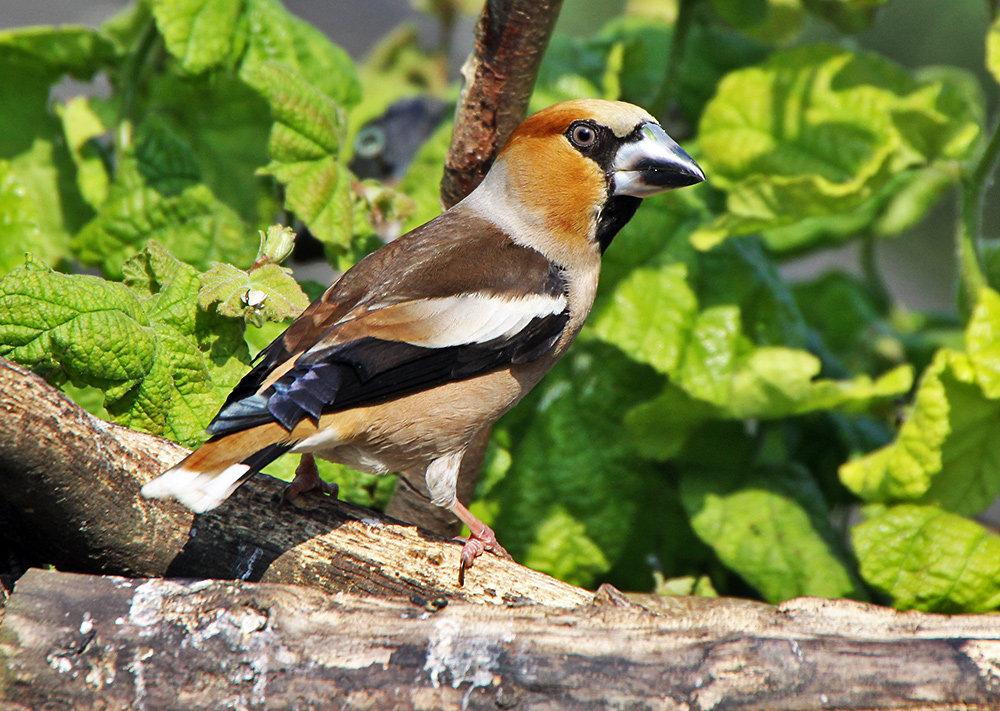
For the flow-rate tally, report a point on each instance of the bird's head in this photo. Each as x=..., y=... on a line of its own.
x=579, y=169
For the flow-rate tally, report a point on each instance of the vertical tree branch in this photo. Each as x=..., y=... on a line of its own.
x=511, y=38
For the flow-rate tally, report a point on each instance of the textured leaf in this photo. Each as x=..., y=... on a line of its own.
x=563, y=549
x=265, y=293
x=946, y=452
x=165, y=366
x=927, y=559
x=39, y=309
x=650, y=316
x=305, y=148
x=192, y=224
x=772, y=528
x=274, y=35
x=817, y=131
x=199, y=33
x=570, y=447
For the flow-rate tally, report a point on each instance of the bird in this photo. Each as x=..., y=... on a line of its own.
x=428, y=340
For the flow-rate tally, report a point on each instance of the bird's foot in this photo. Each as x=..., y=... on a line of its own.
x=307, y=479
x=482, y=539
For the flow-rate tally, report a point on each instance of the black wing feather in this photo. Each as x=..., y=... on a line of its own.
x=370, y=371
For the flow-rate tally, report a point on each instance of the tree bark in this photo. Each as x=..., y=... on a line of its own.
x=511, y=38
x=69, y=496
x=86, y=643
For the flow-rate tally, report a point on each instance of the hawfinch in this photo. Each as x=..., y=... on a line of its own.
x=430, y=339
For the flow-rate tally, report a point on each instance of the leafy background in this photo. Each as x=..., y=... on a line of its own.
x=722, y=425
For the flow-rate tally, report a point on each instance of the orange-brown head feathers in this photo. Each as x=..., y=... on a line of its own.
x=572, y=175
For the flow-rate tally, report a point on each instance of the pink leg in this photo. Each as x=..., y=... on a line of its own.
x=482, y=539
x=307, y=479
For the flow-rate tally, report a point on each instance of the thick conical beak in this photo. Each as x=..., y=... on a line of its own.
x=653, y=164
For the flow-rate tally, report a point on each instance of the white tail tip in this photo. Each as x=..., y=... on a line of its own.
x=199, y=491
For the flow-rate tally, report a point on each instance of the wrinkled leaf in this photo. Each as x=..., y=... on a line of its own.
x=193, y=224
x=199, y=33
x=772, y=528
x=927, y=559
x=265, y=293
x=306, y=148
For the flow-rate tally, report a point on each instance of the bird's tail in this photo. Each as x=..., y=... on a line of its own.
x=212, y=472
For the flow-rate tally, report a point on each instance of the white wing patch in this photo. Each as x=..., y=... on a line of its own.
x=451, y=320
x=478, y=318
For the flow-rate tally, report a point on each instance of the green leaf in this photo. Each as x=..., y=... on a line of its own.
x=700, y=585
x=946, y=452
x=305, y=147
x=927, y=559
x=817, y=131
x=274, y=35
x=569, y=447
x=78, y=51
x=164, y=366
x=778, y=382
x=563, y=550
x=661, y=427
x=35, y=302
x=81, y=126
x=848, y=319
x=199, y=33
x=993, y=49
x=741, y=13
x=772, y=527
x=265, y=293
x=982, y=340
x=739, y=272
x=650, y=316
x=225, y=125
x=19, y=231
x=33, y=143
x=845, y=15
x=192, y=224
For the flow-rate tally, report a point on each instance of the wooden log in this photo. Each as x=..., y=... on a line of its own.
x=86, y=642
x=69, y=496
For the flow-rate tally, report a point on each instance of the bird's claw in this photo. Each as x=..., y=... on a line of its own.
x=307, y=479
x=474, y=546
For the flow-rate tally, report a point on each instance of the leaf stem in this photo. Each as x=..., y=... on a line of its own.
x=873, y=277
x=974, y=185
x=130, y=79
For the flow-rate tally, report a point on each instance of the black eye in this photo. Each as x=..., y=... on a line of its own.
x=582, y=135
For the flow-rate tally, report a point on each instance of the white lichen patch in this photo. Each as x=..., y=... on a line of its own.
x=463, y=657
x=985, y=654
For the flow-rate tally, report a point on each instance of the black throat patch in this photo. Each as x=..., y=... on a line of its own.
x=617, y=212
